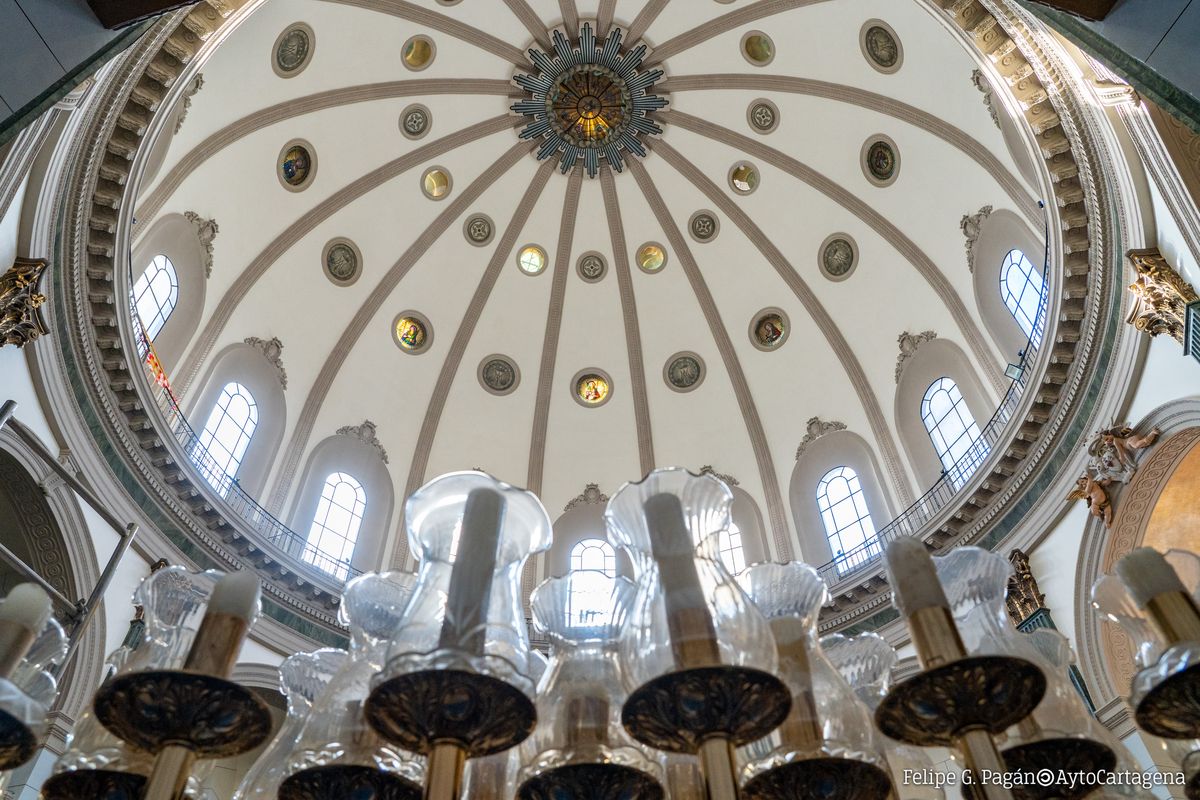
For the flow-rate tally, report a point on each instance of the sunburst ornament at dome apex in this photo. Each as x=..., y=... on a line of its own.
x=589, y=102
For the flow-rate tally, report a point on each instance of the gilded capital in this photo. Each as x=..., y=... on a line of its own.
x=1023, y=597
x=20, y=320
x=1160, y=295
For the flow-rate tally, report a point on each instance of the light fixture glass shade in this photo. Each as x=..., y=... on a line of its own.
x=471, y=534
x=302, y=678
x=579, y=739
x=173, y=601
x=1113, y=601
x=828, y=736
x=1061, y=733
x=976, y=582
x=865, y=662
x=688, y=611
x=336, y=750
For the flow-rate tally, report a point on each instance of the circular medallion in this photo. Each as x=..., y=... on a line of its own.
x=412, y=332
x=498, y=374
x=531, y=259
x=591, y=387
x=296, y=165
x=341, y=261
x=881, y=46
x=770, y=329
x=757, y=48
x=880, y=160
x=684, y=371
x=478, y=229
x=418, y=53
x=838, y=256
x=743, y=177
x=436, y=183
x=591, y=266
x=652, y=257
x=589, y=102
x=763, y=115
x=415, y=121
x=703, y=226
x=293, y=50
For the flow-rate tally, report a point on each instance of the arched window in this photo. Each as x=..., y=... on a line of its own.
x=591, y=589
x=334, y=530
x=226, y=435
x=952, y=430
x=1021, y=286
x=594, y=554
x=730, y=547
x=155, y=294
x=848, y=524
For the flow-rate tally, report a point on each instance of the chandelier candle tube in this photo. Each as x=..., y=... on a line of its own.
x=920, y=597
x=1156, y=588
x=214, y=651
x=23, y=615
x=465, y=625
x=803, y=725
x=693, y=638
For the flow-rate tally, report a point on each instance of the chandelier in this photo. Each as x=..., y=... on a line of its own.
x=686, y=682
x=589, y=102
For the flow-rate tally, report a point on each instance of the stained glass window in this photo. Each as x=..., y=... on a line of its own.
x=847, y=521
x=226, y=436
x=952, y=430
x=335, y=524
x=155, y=294
x=1021, y=286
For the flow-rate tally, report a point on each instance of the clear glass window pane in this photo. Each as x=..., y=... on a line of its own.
x=952, y=430
x=848, y=524
x=226, y=436
x=1021, y=287
x=335, y=525
x=155, y=295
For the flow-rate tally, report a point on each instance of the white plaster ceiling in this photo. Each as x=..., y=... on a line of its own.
x=355, y=46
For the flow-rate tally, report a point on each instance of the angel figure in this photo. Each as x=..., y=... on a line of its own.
x=1123, y=443
x=1091, y=490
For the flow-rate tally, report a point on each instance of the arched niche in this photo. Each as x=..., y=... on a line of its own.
x=584, y=521
x=836, y=449
x=174, y=237
x=29, y=529
x=937, y=358
x=1000, y=233
x=346, y=453
x=245, y=364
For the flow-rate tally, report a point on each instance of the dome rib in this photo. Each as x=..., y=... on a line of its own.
x=530, y=19
x=462, y=337
x=718, y=25
x=754, y=428
x=549, y=359
x=844, y=93
x=633, y=331
x=823, y=320
x=206, y=340
x=987, y=357
x=458, y=206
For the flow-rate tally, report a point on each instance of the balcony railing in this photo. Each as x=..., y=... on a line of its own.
x=908, y=523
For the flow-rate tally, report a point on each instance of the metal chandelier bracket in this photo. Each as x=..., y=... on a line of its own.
x=589, y=101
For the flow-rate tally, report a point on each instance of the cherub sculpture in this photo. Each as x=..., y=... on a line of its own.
x=1120, y=444
x=1091, y=490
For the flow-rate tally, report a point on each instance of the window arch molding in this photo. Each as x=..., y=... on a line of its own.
x=241, y=363
x=584, y=521
x=836, y=449
x=174, y=237
x=939, y=358
x=340, y=453
x=999, y=234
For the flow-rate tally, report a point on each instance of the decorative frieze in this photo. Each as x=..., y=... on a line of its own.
x=728, y=480
x=1160, y=295
x=272, y=350
x=909, y=344
x=20, y=318
x=591, y=495
x=366, y=433
x=981, y=83
x=206, y=232
x=971, y=226
x=196, y=85
x=816, y=428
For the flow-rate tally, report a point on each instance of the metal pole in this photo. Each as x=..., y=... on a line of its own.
x=20, y=566
x=93, y=602
x=6, y=411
